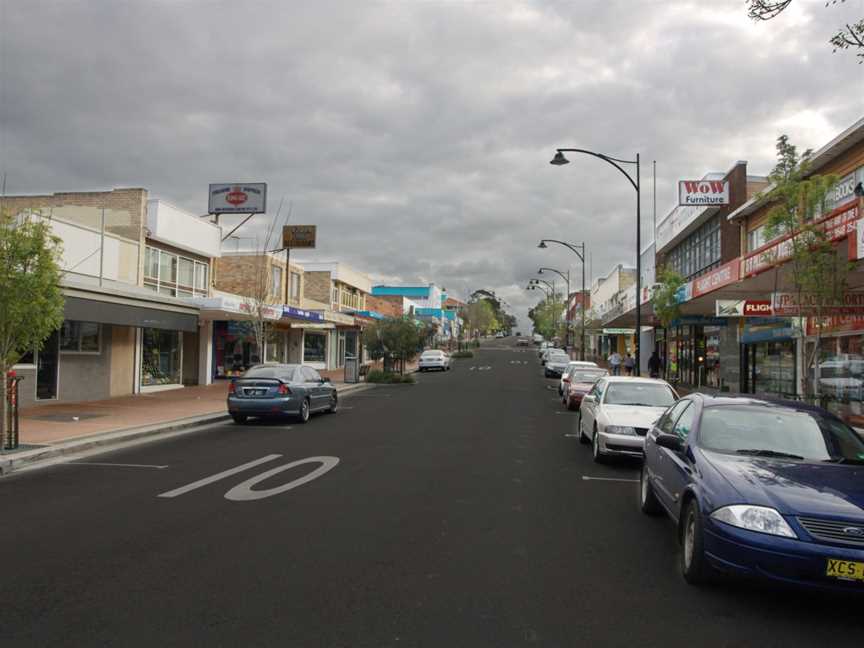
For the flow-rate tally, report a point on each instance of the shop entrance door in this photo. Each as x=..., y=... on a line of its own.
x=47, y=366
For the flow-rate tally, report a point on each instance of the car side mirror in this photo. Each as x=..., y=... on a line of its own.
x=590, y=398
x=670, y=442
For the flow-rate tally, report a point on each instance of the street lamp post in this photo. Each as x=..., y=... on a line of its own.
x=579, y=250
x=566, y=279
x=560, y=160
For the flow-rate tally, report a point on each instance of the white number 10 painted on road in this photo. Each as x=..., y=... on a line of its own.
x=243, y=492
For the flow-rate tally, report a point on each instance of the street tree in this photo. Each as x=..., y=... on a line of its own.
x=479, y=316
x=31, y=304
x=664, y=299
x=848, y=37
x=814, y=269
x=393, y=338
x=548, y=317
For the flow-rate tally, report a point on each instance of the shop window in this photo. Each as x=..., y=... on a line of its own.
x=186, y=273
x=335, y=295
x=173, y=275
x=295, y=285
x=79, y=337
x=151, y=264
x=314, y=347
x=161, y=357
x=167, y=267
x=201, y=273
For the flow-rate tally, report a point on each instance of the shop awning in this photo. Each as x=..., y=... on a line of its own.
x=127, y=314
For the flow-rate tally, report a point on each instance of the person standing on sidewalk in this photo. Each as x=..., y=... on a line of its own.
x=615, y=363
x=654, y=365
x=629, y=363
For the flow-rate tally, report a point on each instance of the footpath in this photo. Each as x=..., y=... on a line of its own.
x=53, y=430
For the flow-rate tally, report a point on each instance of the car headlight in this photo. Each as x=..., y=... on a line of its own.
x=754, y=518
x=620, y=429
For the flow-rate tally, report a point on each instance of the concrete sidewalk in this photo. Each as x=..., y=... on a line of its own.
x=50, y=431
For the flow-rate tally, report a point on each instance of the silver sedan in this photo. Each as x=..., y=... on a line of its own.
x=271, y=390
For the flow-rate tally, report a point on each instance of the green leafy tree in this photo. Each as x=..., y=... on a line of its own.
x=31, y=304
x=393, y=338
x=814, y=270
x=547, y=317
x=664, y=299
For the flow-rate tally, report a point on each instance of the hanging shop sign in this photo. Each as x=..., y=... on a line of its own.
x=705, y=193
x=856, y=243
x=699, y=320
x=684, y=293
x=836, y=324
x=298, y=236
x=238, y=198
x=836, y=225
x=768, y=330
x=726, y=274
x=619, y=331
x=744, y=308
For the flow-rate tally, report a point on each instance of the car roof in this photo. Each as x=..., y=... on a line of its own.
x=634, y=379
x=584, y=363
x=726, y=400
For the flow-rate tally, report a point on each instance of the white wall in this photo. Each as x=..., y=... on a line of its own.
x=173, y=226
x=81, y=253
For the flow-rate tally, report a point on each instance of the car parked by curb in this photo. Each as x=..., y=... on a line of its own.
x=434, y=359
x=274, y=390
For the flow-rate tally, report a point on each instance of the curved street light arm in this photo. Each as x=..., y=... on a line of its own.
x=559, y=273
x=613, y=161
x=573, y=248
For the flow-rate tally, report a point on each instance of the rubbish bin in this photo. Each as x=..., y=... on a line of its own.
x=10, y=440
x=352, y=370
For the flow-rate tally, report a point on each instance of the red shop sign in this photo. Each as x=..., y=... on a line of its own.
x=723, y=276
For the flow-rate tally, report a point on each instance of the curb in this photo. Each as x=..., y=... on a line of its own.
x=11, y=463
x=16, y=461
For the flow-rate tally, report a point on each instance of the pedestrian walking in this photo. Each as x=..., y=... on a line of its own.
x=654, y=365
x=615, y=363
x=629, y=364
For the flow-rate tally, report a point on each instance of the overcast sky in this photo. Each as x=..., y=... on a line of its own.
x=417, y=134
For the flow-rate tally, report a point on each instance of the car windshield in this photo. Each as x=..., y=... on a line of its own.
x=639, y=394
x=582, y=376
x=269, y=372
x=780, y=433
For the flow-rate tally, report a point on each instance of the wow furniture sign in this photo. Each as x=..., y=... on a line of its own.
x=705, y=193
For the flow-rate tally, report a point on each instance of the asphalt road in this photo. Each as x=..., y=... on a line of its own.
x=458, y=515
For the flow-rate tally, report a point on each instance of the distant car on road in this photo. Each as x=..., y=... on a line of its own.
x=571, y=366
x=272, y=390
x=434, y=359
x=523, y=342
x=758, y=488
x=582, y=379
x=616, y=414
x=543, y=347
x=537, y=338
x=556, y=362
x=499, y=334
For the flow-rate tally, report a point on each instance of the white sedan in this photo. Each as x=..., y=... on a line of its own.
x=434, y=359
x=617, y=413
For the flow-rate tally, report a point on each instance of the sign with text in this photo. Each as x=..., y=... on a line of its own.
x=298, y=236
x=836, y=226
x=705, y=193
x=238, y=198
x=744, y=308
x=836, y=324
x=789, y=304
x=723, y=276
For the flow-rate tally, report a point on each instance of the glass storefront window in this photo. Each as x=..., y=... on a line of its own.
x=314, y=347
x=79, y=337
x=161, y=357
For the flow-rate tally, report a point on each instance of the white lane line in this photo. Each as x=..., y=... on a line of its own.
x=214, y=478
x=119, y=465
x=613, y=479
x=567, y=413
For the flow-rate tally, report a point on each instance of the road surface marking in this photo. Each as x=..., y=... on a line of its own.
x=572, y=435
x=222, y=475
x=472, y=368
x=615, y=479
x=244, y=493
x=119, y=465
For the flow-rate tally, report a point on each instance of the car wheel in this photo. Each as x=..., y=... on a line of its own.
x=239, y=418
x=694, y=565
x=647, y=499
x=595, y=447
x=304, y=411
x=334, y=404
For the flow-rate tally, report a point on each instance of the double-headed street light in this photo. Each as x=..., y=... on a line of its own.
x=579, y=250
x=560, y=160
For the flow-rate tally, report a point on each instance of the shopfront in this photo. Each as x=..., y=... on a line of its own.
x=694, y=352
x=768, y=357
x=839, y=364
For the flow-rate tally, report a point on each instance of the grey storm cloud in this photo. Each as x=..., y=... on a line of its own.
x=417, y=134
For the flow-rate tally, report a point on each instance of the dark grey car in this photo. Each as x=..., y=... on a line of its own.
x=270, y=390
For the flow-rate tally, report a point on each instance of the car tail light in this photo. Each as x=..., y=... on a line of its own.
x=232, y=388
x=283, y=389
x=565, y=379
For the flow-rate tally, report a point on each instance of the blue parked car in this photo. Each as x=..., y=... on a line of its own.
x=773, y=490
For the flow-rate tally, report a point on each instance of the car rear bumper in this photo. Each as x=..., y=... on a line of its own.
x=552, y=372
x=622, y=444
x=780, y=560
x=264, y=406
x=432, y=365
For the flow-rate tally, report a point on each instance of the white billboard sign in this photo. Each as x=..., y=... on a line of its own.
x=703, y=193
x=238, y=198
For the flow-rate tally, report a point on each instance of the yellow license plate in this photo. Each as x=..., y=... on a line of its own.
x=845, y=569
